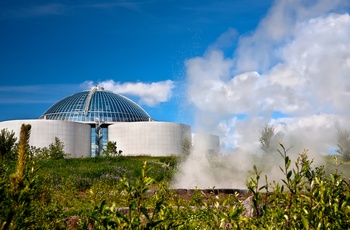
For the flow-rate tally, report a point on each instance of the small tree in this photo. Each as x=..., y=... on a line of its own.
x=186, y=146
x=343, y=138
x=39, y=153
x=269, y=140
x=267, y=134
x=111, y=149
x=56, y=149
x=7, y=143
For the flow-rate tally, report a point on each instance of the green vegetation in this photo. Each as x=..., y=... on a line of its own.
x=89, y=193
x=17, y=194
x=59, y=189
x=343, y=138
x=186, y=146
x=7, y=144
x=54, y=151
x=112, y=150
x=267, y=133
x=9, y=148
x=119, y=192
x=306, y=198
x=269, y=140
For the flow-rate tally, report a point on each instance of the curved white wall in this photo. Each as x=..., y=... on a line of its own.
x=206, y=143
x=75, y=136
x=149, y=138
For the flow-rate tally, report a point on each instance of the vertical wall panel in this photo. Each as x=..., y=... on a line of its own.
x=149, y=138
x=75, y=136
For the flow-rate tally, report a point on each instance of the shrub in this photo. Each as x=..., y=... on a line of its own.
x=306, y=199
x=163, y=211
x=111, y=149
x=7, y=144
x=54, y=151
x=343, y=139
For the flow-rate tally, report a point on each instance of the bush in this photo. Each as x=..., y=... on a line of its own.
x=343, y=139
x=7, y=145
x=163, y=211
x=54, y=151
x=306, y=199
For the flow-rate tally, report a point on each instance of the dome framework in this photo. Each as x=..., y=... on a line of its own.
x=96, y=105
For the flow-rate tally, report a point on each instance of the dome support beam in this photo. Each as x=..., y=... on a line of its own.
x=88, y=100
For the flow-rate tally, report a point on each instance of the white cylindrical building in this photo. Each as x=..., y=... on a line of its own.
x=207, y=143
x=75, y=136
x=150, y=138
x=87, y=120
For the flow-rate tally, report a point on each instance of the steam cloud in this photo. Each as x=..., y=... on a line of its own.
x=150, y=94
x=292, y=72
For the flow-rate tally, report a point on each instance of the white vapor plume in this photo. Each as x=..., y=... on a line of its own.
x=150, y=94
x=292, y=72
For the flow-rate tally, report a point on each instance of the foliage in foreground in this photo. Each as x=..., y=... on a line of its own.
x=306, y=198
x=17, y=196
x=165, y=210
x=59, y=189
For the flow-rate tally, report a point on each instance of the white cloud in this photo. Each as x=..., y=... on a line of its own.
x=150, y=94
x=259, y=51
x=296, y=62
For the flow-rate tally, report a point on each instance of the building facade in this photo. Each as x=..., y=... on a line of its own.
x=87, y=120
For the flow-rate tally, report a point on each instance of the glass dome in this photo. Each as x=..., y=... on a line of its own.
x=96, y=105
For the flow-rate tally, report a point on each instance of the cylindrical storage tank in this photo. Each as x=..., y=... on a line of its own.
x=75, y=136
x=150, y=138
x=206, y=143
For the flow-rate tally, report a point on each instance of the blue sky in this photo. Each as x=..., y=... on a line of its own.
x=50, y=49
x=226, y=67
